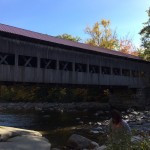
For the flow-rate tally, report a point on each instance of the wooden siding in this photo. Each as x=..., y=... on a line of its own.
x=30, y=73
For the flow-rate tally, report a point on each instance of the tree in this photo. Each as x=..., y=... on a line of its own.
x=69, y=37
x=145, y=33
x=101, y=35
x=140, y=52
x=126, y=46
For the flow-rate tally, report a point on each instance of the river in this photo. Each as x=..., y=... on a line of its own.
x=57, y=127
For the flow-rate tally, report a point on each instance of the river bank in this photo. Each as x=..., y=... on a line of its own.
x=57, y=107
x=61, y=107
x=59, y=121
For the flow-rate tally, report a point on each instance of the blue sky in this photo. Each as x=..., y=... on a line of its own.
x=55, y=17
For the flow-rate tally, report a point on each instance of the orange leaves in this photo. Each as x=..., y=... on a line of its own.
x=135, y=53
x=126, y=46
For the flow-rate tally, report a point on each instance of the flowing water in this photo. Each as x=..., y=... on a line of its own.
x=56, y=127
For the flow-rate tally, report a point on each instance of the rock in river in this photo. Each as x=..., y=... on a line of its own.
x=21, y=139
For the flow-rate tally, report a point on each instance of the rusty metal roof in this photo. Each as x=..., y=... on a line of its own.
x=48, y=38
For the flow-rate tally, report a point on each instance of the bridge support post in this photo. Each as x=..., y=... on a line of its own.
x=143, y=96
x=124, y=98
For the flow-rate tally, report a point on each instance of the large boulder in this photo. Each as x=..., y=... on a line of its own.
x=78, y=142
x=25, y=142
x=21, y=139
x=10, y=132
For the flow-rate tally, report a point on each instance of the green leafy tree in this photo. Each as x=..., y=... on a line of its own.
x=145, y=33
x=101, y=35
x=69, y=37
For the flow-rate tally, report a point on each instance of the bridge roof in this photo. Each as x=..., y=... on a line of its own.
x=47, y=38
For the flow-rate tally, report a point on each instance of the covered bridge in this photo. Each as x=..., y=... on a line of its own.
x=31, y=57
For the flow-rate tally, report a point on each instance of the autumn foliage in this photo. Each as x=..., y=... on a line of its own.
x=126, y=46
x=101, y=35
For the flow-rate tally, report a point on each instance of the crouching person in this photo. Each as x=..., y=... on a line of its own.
x=119, y=132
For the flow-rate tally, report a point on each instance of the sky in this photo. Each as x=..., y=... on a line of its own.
x=56, y=17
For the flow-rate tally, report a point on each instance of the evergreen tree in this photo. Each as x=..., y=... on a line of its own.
x=145, y=33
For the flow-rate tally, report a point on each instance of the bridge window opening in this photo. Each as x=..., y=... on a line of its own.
x=27, y=61
x=64, y=65
x=106, y=70
x=80, y=67
x=135, y=73
x=125, y=72
x=94, y=69
x=47, y=63
x=7, y=59
x=116, y=71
